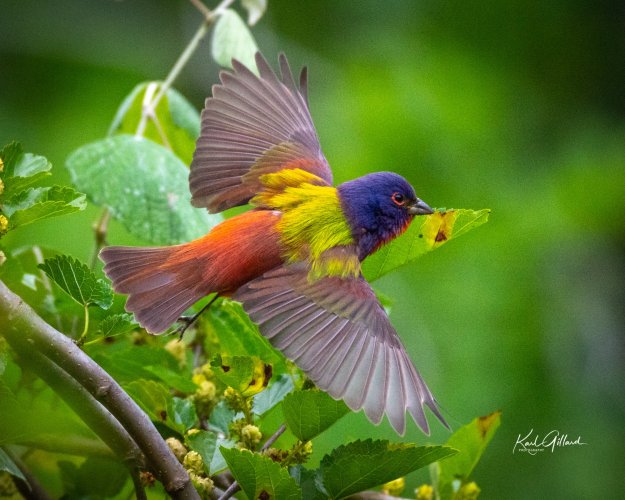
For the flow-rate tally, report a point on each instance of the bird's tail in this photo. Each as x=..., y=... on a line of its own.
x=161, y=282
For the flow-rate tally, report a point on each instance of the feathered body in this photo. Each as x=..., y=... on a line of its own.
x=294, y=259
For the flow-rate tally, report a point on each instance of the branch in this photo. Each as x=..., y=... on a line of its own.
x=29, y=489
x=209, y=18
x=22, y=322
x=98, y=418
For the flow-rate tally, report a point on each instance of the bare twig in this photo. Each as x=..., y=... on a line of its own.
x=20, y=321
x=100, y=230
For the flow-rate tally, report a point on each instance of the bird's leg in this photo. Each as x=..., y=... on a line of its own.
x=187, y=321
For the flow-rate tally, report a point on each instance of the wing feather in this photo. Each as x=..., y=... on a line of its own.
x=337, y=332
x=253, y=125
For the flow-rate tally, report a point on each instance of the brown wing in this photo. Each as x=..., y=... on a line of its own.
x=337, y=332
x=252, y=126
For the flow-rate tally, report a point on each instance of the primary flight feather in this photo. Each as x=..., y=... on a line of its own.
x=293, y=261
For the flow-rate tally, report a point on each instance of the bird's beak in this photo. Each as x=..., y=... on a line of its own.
x=420, y=208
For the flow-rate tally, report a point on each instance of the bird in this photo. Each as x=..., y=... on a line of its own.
x=294, y=259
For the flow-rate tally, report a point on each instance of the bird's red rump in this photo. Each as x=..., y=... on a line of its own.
x=234, y=252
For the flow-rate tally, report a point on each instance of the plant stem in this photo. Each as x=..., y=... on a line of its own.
x=209, y=19
x=100, y=230
x=21, y=322
x=83, y=335
x=234, y=487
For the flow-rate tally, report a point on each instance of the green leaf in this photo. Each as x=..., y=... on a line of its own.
x=78, y=281
x=153, y=398
x=205, y=443
x=362, y=465
x=10, y=155
x=309, y=413
x=236, y=372
x=175, y=124
x=184, y=413
x=8, y=465
x=227, y=317
x=145, y=187
x=272, y=395
x=259, y=476
x=232, y=40
x=308, y=482
x=255, y=10
x=471, y=439
x=26, y=169
x=117, y=324
x=221, y=416
x=34, y=204
x=95, y=478
x=423, y=235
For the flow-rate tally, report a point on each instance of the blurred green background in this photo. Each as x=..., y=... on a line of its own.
x=516, y=106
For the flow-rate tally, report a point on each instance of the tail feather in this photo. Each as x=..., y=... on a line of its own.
x=160, y=286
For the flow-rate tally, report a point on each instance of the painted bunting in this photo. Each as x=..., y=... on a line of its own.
x=293, y=261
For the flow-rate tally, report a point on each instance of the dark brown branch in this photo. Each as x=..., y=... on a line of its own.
x=21, y=321
x=98, y=418
x=29, y=489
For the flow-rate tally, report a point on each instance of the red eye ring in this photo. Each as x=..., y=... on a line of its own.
x=399, y=199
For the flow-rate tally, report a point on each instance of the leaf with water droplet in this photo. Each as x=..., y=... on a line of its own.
x=145, y=187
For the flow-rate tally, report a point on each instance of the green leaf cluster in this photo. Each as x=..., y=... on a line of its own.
x=22, y=200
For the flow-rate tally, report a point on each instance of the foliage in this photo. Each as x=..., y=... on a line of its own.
x=215, y=394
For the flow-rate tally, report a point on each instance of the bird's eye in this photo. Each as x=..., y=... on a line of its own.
x=399, y=199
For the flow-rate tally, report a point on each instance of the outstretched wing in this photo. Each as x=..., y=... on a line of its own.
x=337, y=332
x=253, y=126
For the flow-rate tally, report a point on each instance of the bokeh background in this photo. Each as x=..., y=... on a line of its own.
x=517, y=106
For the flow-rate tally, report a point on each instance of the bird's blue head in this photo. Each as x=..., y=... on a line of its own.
x=379, y=207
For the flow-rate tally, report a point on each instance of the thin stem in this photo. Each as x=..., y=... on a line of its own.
x=21, y=322
x=234, y=487
x=274, y=438
x=209, y=19
x=100, y=231
x=83, y=335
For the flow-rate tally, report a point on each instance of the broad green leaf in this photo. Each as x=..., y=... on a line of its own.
x=270, y=397
x=175, y=124
x=9, y=156
x=21, y=169
x=95, y=478
x=471, y=439
x=218, y=463
x=184, y=413
x=221, y=416
x=117, y=324
x=34, y=204
x=78, y=281
x=259, y=476
x=144, y=185
x=362, y=465
x=232, y=40
x=153, y=398
x=8, y=465
x=205, y=443
x=228, y=316
x=426, y=233
x=308, y=482
x=309, y=413
x=236, y=372
x=255, y=10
